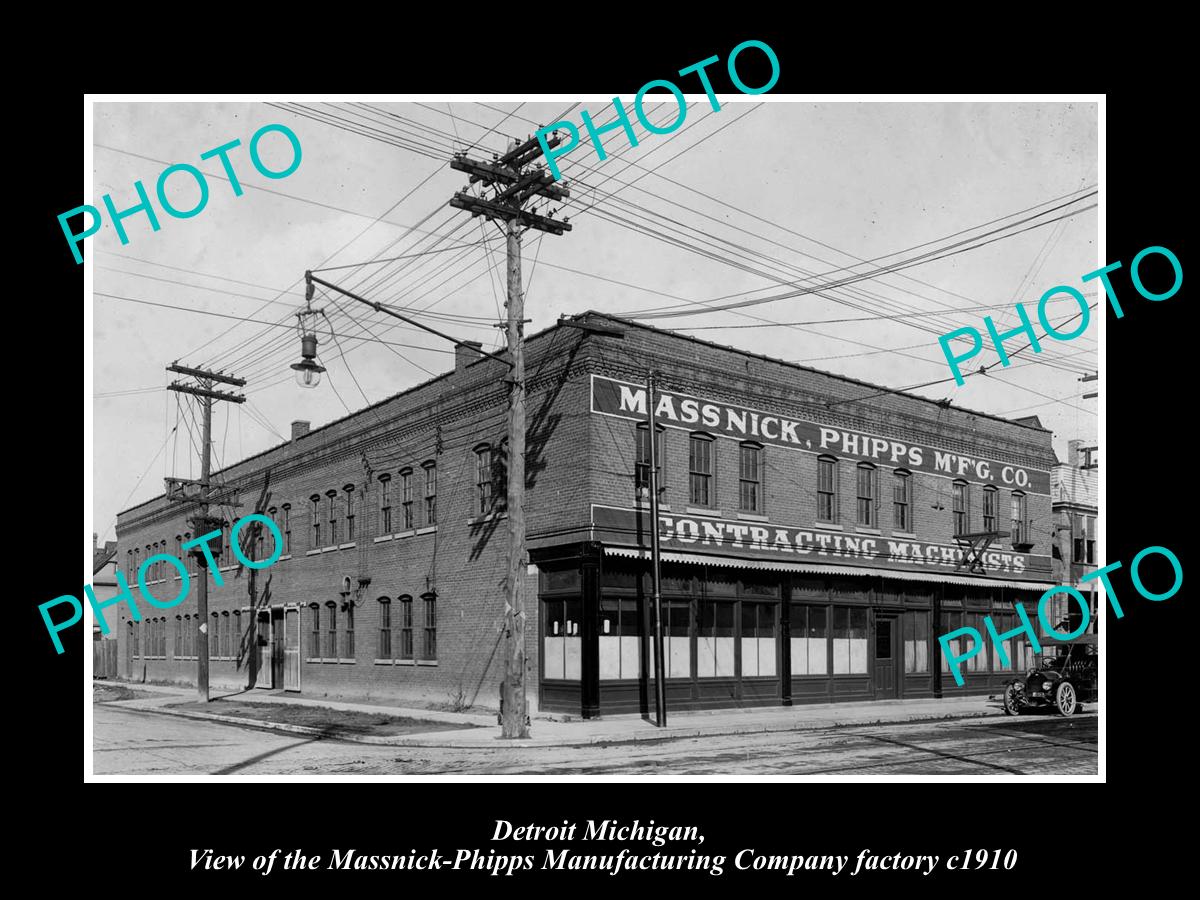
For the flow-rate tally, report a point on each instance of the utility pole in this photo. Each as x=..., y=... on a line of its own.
x=660, y=676
x=201, y=493
x=513, y=179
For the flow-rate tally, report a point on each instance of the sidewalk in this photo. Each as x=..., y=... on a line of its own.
x=577, y=733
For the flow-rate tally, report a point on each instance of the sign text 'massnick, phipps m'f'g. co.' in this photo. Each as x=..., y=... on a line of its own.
x=628, y=401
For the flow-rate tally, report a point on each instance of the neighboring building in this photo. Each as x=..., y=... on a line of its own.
x=1075, y=507
x=104, y=575
x=807, y=528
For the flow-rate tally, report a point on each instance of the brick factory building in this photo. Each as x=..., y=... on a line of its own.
x=807, y=525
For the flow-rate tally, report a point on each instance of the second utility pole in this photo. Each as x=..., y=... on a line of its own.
x=513, y=180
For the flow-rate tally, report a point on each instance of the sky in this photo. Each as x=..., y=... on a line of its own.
x=786, y=193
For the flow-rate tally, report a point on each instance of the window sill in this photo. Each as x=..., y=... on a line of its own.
x=429, y=529
x=908, y=535
x=404, y=662
x=349, y=546
x=227, y=568
x=643, y=502
x=313, y=553
x=346, y=661
x=703, y=511
x=490, y=517
x=329, y=549
x=407, y=533
x=828, y=526
x=752, y=517
x=866, y=529
x=386, y=537
x=285, y=556
x=426, y=662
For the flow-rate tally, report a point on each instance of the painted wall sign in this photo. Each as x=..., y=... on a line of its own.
x=628, y=401
x=785, y=543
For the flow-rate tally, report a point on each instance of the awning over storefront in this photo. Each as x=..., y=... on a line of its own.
x=772, y=566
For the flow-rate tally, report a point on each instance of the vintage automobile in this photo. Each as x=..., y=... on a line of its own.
x=1066, y=678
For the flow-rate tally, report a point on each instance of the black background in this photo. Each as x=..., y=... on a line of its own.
x=1068, y=834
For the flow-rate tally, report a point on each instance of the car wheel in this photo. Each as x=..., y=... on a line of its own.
x=1012, y=705
x=1065, y=699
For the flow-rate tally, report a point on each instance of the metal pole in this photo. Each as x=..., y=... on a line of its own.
x=513, y=720
x=660, y=690
x=202, y=587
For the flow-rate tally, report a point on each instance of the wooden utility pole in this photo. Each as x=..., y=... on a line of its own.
x=202, y=495
x=513, y=180
x=660, y=675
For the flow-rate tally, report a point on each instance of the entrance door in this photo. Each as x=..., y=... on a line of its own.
x=277, y=646
x=885, y=656
x=264, y=671
x=291, y=649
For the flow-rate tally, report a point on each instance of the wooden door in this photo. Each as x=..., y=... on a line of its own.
x=291, y=649
x=265, y=671
x=884, y=666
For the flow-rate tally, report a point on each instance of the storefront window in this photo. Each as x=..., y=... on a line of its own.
x=677, y=646
x=916, y=642
x=561, y=640
x=978, y=662
x=714, y=643
x=849, y=640
x=758, y=639
x=619, y=644
x=810, y=640
x=951, y=621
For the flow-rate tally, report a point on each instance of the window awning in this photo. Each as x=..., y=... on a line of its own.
x=810, y=569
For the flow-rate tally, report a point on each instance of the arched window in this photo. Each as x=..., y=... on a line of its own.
x=178, y=636
x=750, y=477
x=190, y=562
x=866, y=481
x=902, y=500
x=235, y=631
x=430, y=468
x=286, y=527
x=406, y=501
x=1020, y=519
x=227, y=635
x=429, y=645
x=385, y=504
x=331, y=648
x=314, y=634
x=218, y=639
x=384, y=650
x=179, y=552
x=187, y=635
x=962, y=506
x=348, y=490
x=331, y=510
x=700, y=470
x=135, y=635
x=989, y=507
x=406, y=627
x=641, y=474
x=314, y=511
x=827, y=481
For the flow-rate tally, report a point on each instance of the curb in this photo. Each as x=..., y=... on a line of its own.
x=426, y=739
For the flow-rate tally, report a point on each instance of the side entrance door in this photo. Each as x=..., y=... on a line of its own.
x=264, y=672
x=291, y=649
x=884, y=665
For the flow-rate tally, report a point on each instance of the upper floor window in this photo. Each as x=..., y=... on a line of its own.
x=642, y=463
x=348, y=490
x=314, y=503
x=902, y=500
x=484, y=480
x=285, y=526
x=989, y=508
x=750, y=497
x=867, y=475
x=1020, y=527
x=384, y=650
x=406, y=627
x=1083, y=534
x=274, y=515
x=827, y=505
x=314, y=634
x=331, y=510
x=700, y=470
x=331, y=646
x=406, y=501
x=430, y=468
x=385, y=504
x=962, y=507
